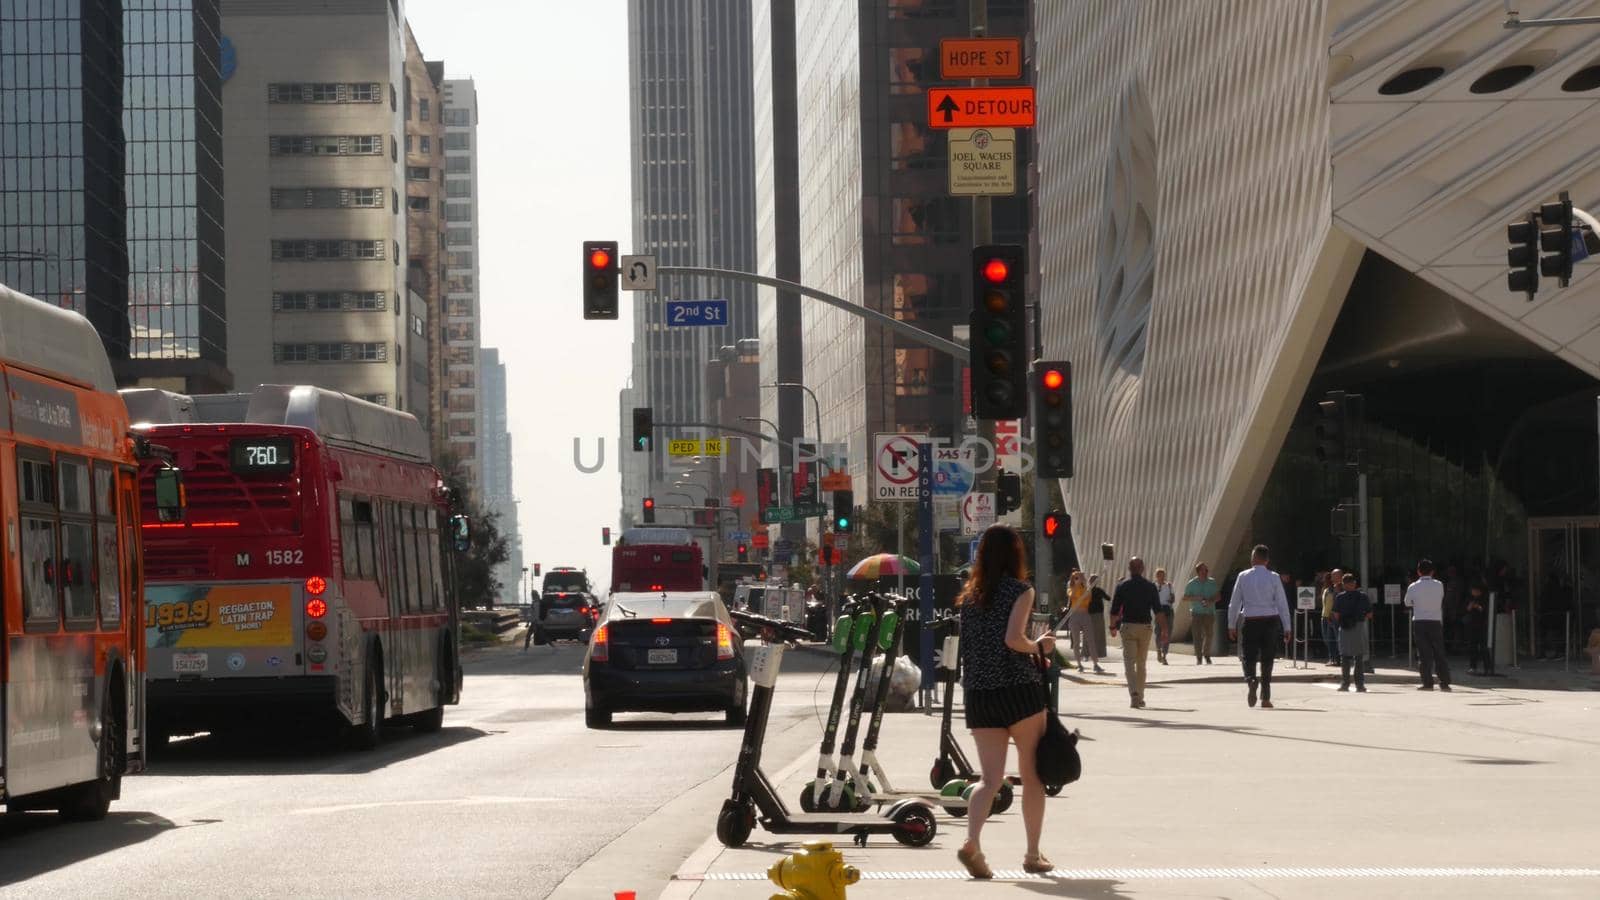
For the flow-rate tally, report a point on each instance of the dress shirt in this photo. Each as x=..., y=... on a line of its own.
x=1136, y=601
x=1258, y=591
x=1425, y=596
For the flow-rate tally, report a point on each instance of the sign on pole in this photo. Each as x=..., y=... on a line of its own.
x=983, y=162
x=638, y=273
x=895, y=460
x=993, y=57
x=837, y=481
x=1392, y=594
x=981, y=107
x=977, y=512
x=952, y=471
x=697, y=312
x=1306, y=598
x=693, y=447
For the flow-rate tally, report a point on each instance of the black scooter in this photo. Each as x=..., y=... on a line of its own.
x=851, y=633
x=842, y=791
x=910, y=822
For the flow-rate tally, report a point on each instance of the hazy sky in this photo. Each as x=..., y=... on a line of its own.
x=552, y=81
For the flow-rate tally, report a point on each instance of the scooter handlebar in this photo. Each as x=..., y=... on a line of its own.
x=787, y=631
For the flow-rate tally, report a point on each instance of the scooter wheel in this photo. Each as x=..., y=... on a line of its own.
x=941, y=772
x=734, y=823
x=953, y=789
x=1051, y=790
x=1003, y=798
x=915, y=825
x=808, y=799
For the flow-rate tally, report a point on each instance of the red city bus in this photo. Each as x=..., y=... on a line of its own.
x=71, y=663
x=657, y=559
x=309, y=578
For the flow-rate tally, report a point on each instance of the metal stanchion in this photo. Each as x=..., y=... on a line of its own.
x=1514, y=657
x=1566, y=645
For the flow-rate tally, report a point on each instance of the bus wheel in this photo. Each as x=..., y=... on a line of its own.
x=368, y=734
x=430, y=720
x=90, y=801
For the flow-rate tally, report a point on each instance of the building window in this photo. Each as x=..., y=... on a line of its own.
x=458, y=237
x=374, y=351
x=458, y=187
x=325, y=145
x=459, y=332
x=458, y=117
x=380, y=399
x=458, y=212
x=458, y=140
x=459, y=356
x=394, y=149
x=371, y=351
x=459, y=283
x=323, y=92
x=329, y=301
x=408, y=143
x=424, y=110
x=327, y=198
x=419, y=173
x=459, y=259
x=325, y=250
x=418, y=327
x=419, y=204
x=457, y=165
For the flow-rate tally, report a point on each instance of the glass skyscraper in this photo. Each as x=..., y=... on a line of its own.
x=111, y=177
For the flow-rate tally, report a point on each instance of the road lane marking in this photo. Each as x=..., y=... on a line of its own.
x=454, y=801
x=1248, y=874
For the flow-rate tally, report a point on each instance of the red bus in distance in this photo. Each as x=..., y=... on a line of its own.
x=657, y=559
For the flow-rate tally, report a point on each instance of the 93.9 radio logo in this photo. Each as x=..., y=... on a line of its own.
x=178, y=615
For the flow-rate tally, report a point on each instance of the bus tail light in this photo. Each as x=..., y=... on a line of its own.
x=316, y=630
x=724, y=642
x=316, y=585
x=316, y=608
x=602, y=645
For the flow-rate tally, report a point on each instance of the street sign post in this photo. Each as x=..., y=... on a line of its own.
x=774, y=515
x=895, y=460
x=697, y=312
x=837, y=481
x=638, y=273
x=983, y=162
x=981, y=107
x=977, y=512
x=993, y=57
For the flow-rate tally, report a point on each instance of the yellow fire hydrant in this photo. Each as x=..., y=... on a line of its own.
x=817, y=872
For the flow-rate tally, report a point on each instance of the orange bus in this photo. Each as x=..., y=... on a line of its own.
x=71, y=650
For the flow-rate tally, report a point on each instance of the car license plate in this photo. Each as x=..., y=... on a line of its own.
x=662, y=657
x=189, y=662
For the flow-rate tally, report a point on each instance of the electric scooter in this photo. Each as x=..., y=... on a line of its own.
x=909, y=822
x=842, y=791
x=851, y=633
x=952, y=764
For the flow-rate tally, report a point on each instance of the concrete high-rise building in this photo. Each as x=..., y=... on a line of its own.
x=693, y=196
x=112, y=200
x=1244, y=207
x=423, y=97
x=876, y=222
x=317, y=256
x=498, y=495
x=463, y=412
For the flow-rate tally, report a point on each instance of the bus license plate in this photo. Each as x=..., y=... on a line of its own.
x=189, y=662
x=663, y=657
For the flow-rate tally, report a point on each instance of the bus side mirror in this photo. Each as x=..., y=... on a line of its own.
x=461, y=531
x=171, y=499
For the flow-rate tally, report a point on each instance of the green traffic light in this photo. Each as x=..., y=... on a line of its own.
x=842, y=524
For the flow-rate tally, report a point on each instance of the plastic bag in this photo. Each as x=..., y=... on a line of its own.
x=904, y=683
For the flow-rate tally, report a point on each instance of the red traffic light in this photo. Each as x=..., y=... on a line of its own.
x=1055, y=524
x=996, y=271
x=1053, y=379
x=649, y=503
x=743, y=549
x=599, y=259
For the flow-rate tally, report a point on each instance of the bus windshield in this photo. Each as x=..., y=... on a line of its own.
x=558, y=582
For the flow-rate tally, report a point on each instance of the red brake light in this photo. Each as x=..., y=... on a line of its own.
x=316, y=585
x=661, y=621
x=657, y=587
x=724, y=642
x=316, y=607
x=1053, y=379
x=599, y=259
x=996, y=270
x=602, y=645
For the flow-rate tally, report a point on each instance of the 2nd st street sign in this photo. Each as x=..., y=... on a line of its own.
x=981, y=107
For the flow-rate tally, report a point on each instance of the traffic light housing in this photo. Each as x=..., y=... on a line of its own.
x=1555, y=239
x=1007, y=492
x=1338, y=429
x=844, y=507
x=536, y=570
x=1057, y=528
x=744, y=553
x=649, y=510
x=600, y=279
x=1052, y=418
x=1523, y=256
x=998, y=331
x=605, y=535
x=643, y=424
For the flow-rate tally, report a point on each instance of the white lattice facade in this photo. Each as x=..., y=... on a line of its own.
x=1210, y=174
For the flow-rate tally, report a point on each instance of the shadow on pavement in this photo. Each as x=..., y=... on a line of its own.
x=1075, y=889
x=670, y=725
x=1254, y=732
x=32, y=844
x=256, y=753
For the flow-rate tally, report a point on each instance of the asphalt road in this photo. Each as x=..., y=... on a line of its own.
x=507, y=800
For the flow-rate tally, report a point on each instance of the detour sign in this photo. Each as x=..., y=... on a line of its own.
x=992, y=107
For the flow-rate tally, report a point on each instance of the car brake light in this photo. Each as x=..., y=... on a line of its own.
x=661, y=621
x=602, y=645
x=724, y=642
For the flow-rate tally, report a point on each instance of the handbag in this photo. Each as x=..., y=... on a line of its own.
x=1056, y=758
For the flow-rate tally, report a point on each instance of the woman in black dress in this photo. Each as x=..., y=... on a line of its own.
x=1002, y=689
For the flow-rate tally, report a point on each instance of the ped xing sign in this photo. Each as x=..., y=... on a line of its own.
x=689, y=447
x=981, y=107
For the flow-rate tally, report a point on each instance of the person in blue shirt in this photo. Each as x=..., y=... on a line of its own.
x=1350, y=611
x=1259, y=609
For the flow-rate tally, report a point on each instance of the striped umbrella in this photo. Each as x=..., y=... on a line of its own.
x=883, y=565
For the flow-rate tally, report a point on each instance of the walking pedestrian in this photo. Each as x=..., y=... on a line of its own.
x=1479, y=661
x=1330, y=628
x=1260, y=609
x=1425, y=596
x=1201, y=595
x=1351, y=609
x=1080, y=624
x=1098, y=600
x=1163, y=615
x=1005, y=699
x=1134, y=608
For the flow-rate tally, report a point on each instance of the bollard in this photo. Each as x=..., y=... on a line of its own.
x=817, y=872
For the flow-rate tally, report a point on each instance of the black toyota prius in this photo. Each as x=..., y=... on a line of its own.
x=672, y=651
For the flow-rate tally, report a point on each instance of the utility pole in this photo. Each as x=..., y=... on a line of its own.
x=982, y=233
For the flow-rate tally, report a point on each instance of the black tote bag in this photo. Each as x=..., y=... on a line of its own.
x=1057, y=758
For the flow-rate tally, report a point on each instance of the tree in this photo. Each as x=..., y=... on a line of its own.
x=475, y=581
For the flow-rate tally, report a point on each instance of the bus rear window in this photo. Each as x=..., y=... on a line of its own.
x=261, y=456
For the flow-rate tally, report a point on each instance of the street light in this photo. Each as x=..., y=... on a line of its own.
x=816, y=410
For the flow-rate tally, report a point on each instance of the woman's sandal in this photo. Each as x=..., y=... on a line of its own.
x=976, y=867
x=1037, y=865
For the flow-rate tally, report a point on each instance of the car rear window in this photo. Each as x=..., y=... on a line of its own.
x=554, y=583
x=669, y=608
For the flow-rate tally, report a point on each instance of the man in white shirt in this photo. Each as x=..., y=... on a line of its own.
x=1260, y=609
x=1425, y=596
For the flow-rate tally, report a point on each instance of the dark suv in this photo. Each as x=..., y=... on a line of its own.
x=566, y=607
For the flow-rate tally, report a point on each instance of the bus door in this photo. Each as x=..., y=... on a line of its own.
x=396, y=636
x=132, y=599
